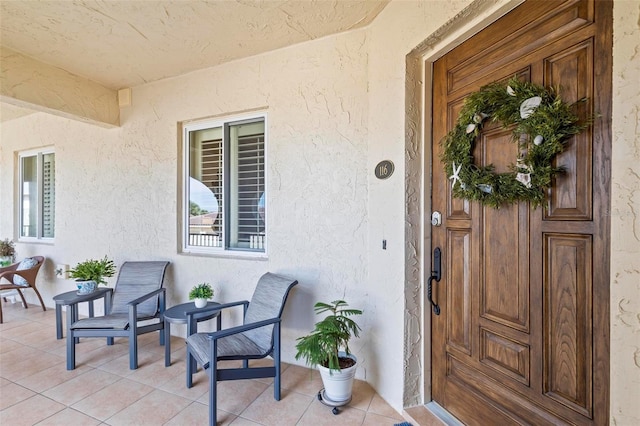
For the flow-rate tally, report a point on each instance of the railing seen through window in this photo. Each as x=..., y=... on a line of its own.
x=226, y=185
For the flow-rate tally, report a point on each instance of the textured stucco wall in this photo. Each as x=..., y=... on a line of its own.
x=396, y=272
x=116, y=189
x=28, y=83
x=625, y=216
x=336, y=107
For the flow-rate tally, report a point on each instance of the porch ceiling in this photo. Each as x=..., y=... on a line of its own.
x=120, y=44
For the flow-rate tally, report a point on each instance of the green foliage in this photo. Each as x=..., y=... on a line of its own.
x=201, y=291
x=93, y=270
x=329, y=335
x=7, y=248
x=196, y=210
x=553, y=120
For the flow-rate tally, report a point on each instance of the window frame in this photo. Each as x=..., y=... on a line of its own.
x=223, y=122
x=39, y=153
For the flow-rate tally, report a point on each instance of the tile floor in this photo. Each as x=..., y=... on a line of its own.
x=36, y=388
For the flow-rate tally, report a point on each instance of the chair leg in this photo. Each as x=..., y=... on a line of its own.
x=213, y=382
x=133, y=352
x=71, y=340
x=40, y=299
x=71, y=352
x=213, y=397
x=1, y=313
x=189, y=368
x=24, y=301
x=276, y=360
x=133, y=337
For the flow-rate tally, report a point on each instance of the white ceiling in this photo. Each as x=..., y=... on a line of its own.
x=127, y=43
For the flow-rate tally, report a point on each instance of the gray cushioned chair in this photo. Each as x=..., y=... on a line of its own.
x=138, y=296
x=257, y=338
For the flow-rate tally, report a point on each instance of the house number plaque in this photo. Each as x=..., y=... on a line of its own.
x=384, y=169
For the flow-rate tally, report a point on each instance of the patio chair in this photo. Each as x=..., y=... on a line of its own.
x=20, y=276
x=257, y=338
x=138, y=296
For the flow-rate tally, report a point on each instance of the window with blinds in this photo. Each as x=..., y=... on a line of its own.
x=225, y=189
x=37, y=195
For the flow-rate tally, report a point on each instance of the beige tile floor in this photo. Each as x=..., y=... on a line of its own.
x=36, y=388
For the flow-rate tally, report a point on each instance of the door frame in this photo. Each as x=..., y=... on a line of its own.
x=418, y=159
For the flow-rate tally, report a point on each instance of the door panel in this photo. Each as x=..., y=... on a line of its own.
x=459, y=320
x=571, y=195
x=568, y=296
x=520, y=338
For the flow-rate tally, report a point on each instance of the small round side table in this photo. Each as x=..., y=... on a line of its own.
x=178, y=315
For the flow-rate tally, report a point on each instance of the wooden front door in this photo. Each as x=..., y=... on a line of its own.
x=523, y=333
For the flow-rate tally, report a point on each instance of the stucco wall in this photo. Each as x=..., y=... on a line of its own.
x=400, y=27
x=336, y=107
x=116, y=189
x=625, y=216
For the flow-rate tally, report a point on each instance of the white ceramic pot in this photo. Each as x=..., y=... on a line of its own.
x=338, y=384
x=6, y=261
x=200, y=303
x=86, y=287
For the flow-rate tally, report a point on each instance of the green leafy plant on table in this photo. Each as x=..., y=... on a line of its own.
x=94, y=270
x=201, y=291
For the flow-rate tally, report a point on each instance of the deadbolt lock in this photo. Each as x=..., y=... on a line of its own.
x=436, y=219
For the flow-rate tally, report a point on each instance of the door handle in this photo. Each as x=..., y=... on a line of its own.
x=435, y=275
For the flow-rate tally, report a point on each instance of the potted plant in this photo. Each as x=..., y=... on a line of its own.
x=91, y=273
x=327, y=347
x=200, y=293
x=7, y=252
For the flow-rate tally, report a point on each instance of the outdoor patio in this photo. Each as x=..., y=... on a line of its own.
x=36, y=388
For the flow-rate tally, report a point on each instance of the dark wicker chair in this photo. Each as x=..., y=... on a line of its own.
x=138, y=296
x=257, y=338
x=9, y=274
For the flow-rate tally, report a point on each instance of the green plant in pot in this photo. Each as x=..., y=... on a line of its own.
x=200, y=294
x=327, y=347
x=7, y=252
x=92, y=273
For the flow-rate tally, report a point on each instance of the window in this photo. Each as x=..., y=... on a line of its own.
x=224, y=185
x=37, y=194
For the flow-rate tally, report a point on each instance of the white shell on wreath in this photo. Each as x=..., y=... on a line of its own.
x=470, y=128
x=485, y=188
x=524, y=178
x=538, y=140
x=529, y=105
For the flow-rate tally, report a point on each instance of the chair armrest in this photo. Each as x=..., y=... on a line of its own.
x=13, y=272
x=7, y=273
x=241, y=328
x=220, y=307
x=141, y=299
x=9, y=268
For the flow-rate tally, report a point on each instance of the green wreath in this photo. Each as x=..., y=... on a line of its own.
x=543, y=123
